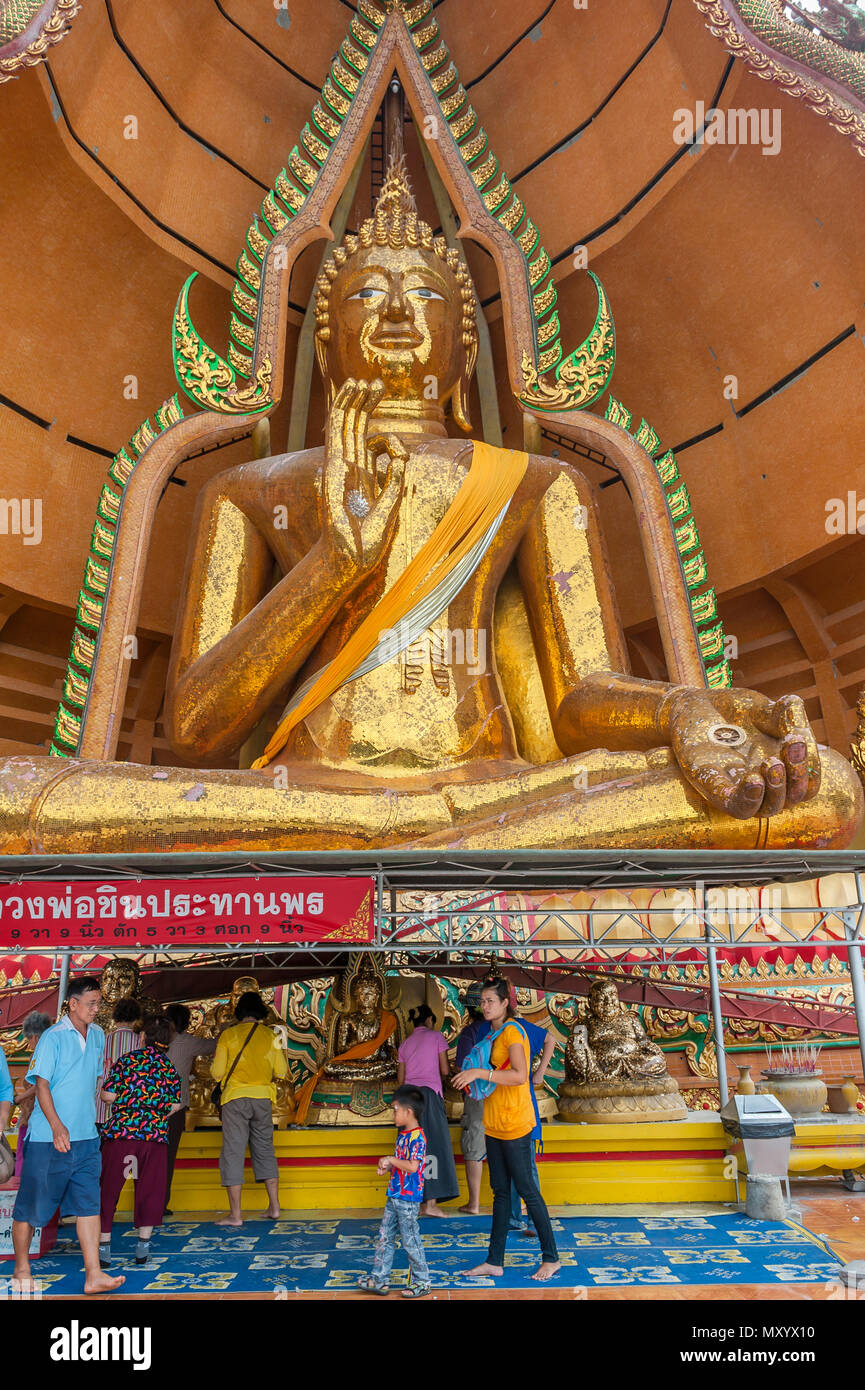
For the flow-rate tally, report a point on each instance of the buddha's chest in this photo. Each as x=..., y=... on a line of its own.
x=430, y=487
x=364, y=1029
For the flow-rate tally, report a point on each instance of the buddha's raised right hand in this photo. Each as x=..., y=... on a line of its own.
x=359, y=510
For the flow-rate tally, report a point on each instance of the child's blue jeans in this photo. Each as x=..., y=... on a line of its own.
x=400, y=1220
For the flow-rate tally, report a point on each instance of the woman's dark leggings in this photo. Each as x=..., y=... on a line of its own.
x=511, y=1160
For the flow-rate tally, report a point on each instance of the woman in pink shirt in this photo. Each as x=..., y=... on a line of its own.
x=423, y=1063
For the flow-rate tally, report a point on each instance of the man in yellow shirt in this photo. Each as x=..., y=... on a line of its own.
x=248, y=1060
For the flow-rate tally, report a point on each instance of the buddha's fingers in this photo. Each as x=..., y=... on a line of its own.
x=794, y=751
x=738, y=791
x=349, y=431
x=787, y=720
x=365, y=463
x=774, y=775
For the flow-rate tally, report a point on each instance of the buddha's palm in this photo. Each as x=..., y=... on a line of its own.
x=774, y=765
x=359, y=508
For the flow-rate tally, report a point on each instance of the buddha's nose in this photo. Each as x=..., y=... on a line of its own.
x=396, y=309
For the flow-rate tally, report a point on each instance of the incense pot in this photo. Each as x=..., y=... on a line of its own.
x=800, y=1092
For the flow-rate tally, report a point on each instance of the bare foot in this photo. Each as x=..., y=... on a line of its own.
x=469, y=1210
x=103, y=1283
x=228, y=1221
x=432, y=1210
x=274, y=1215
x=546, y=1271
x=22, y=1281
x=485, y=1271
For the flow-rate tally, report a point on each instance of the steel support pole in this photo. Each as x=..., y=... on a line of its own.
x=65, y=958
x=719, y=1024
x=854, y=957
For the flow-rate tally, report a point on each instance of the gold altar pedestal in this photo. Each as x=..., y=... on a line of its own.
x=361, y=1103
x=621, y=1102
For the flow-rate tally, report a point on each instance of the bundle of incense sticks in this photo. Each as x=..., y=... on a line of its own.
x=796, y=1057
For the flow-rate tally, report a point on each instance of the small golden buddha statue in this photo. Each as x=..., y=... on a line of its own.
x=436, y=746
x=359, y=1063
x=121, y=979
x=223, y=1015
x=616, y=1046
x=613, y=1070
x=359, y=1028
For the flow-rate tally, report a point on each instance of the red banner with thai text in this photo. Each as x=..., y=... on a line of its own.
x=271, y=911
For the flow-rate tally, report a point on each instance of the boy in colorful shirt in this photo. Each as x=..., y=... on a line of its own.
x=404, y=1196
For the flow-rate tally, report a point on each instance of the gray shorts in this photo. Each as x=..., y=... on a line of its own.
x=473, y=1140
x=247, y=1121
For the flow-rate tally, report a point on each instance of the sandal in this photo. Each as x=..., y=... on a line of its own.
x=417, y=1291
x=368, y=1285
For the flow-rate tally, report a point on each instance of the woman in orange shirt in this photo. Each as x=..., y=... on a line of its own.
x=509, y=1119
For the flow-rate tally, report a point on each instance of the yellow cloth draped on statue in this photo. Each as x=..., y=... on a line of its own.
x=351, y=1054
x=493, y=478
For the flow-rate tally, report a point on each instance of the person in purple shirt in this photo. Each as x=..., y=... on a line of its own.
x=423, y=1063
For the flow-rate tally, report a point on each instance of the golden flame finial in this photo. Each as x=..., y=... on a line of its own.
x=396, y=191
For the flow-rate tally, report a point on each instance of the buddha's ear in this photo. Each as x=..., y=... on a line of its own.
x=460, y=400
x=321, y=359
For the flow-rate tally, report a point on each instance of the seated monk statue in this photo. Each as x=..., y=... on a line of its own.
x=363, y=1039
x=357, y=1030
x=617, y=1047
x=416, y=746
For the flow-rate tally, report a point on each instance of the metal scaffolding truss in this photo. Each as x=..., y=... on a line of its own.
x=453, y=913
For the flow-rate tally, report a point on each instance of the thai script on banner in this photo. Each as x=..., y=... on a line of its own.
x=198, y=911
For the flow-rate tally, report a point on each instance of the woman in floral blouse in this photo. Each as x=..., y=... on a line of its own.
x=143, y=1089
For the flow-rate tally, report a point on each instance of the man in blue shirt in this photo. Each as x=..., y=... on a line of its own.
x=62, y=1163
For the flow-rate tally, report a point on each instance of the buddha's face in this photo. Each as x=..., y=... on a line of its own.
x=397, y=315
x=604, y=1000
x=246, y=984
x=119, y=980
x=367, y=997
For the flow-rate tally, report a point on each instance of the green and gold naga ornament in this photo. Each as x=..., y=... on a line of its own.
x=97, y=577
x=814, y=68
x=28, y=28
x=704, y=604
x=241, y=383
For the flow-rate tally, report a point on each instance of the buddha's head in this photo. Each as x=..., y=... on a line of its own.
x=604, y=999
x=396, y=303
x=367, y=991
x=244, y=984
x=120, y=979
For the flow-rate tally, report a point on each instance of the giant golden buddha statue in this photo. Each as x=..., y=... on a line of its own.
x=417, y=744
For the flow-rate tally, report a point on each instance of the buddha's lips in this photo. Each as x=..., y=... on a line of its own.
x=407, y=338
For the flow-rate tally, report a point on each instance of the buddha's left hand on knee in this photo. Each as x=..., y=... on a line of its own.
x=745, y=754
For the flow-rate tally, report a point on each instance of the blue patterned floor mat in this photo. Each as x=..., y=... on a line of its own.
x=306, y=1255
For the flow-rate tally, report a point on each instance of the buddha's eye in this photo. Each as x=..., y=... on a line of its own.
x=368, y=292
x=422, y=292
